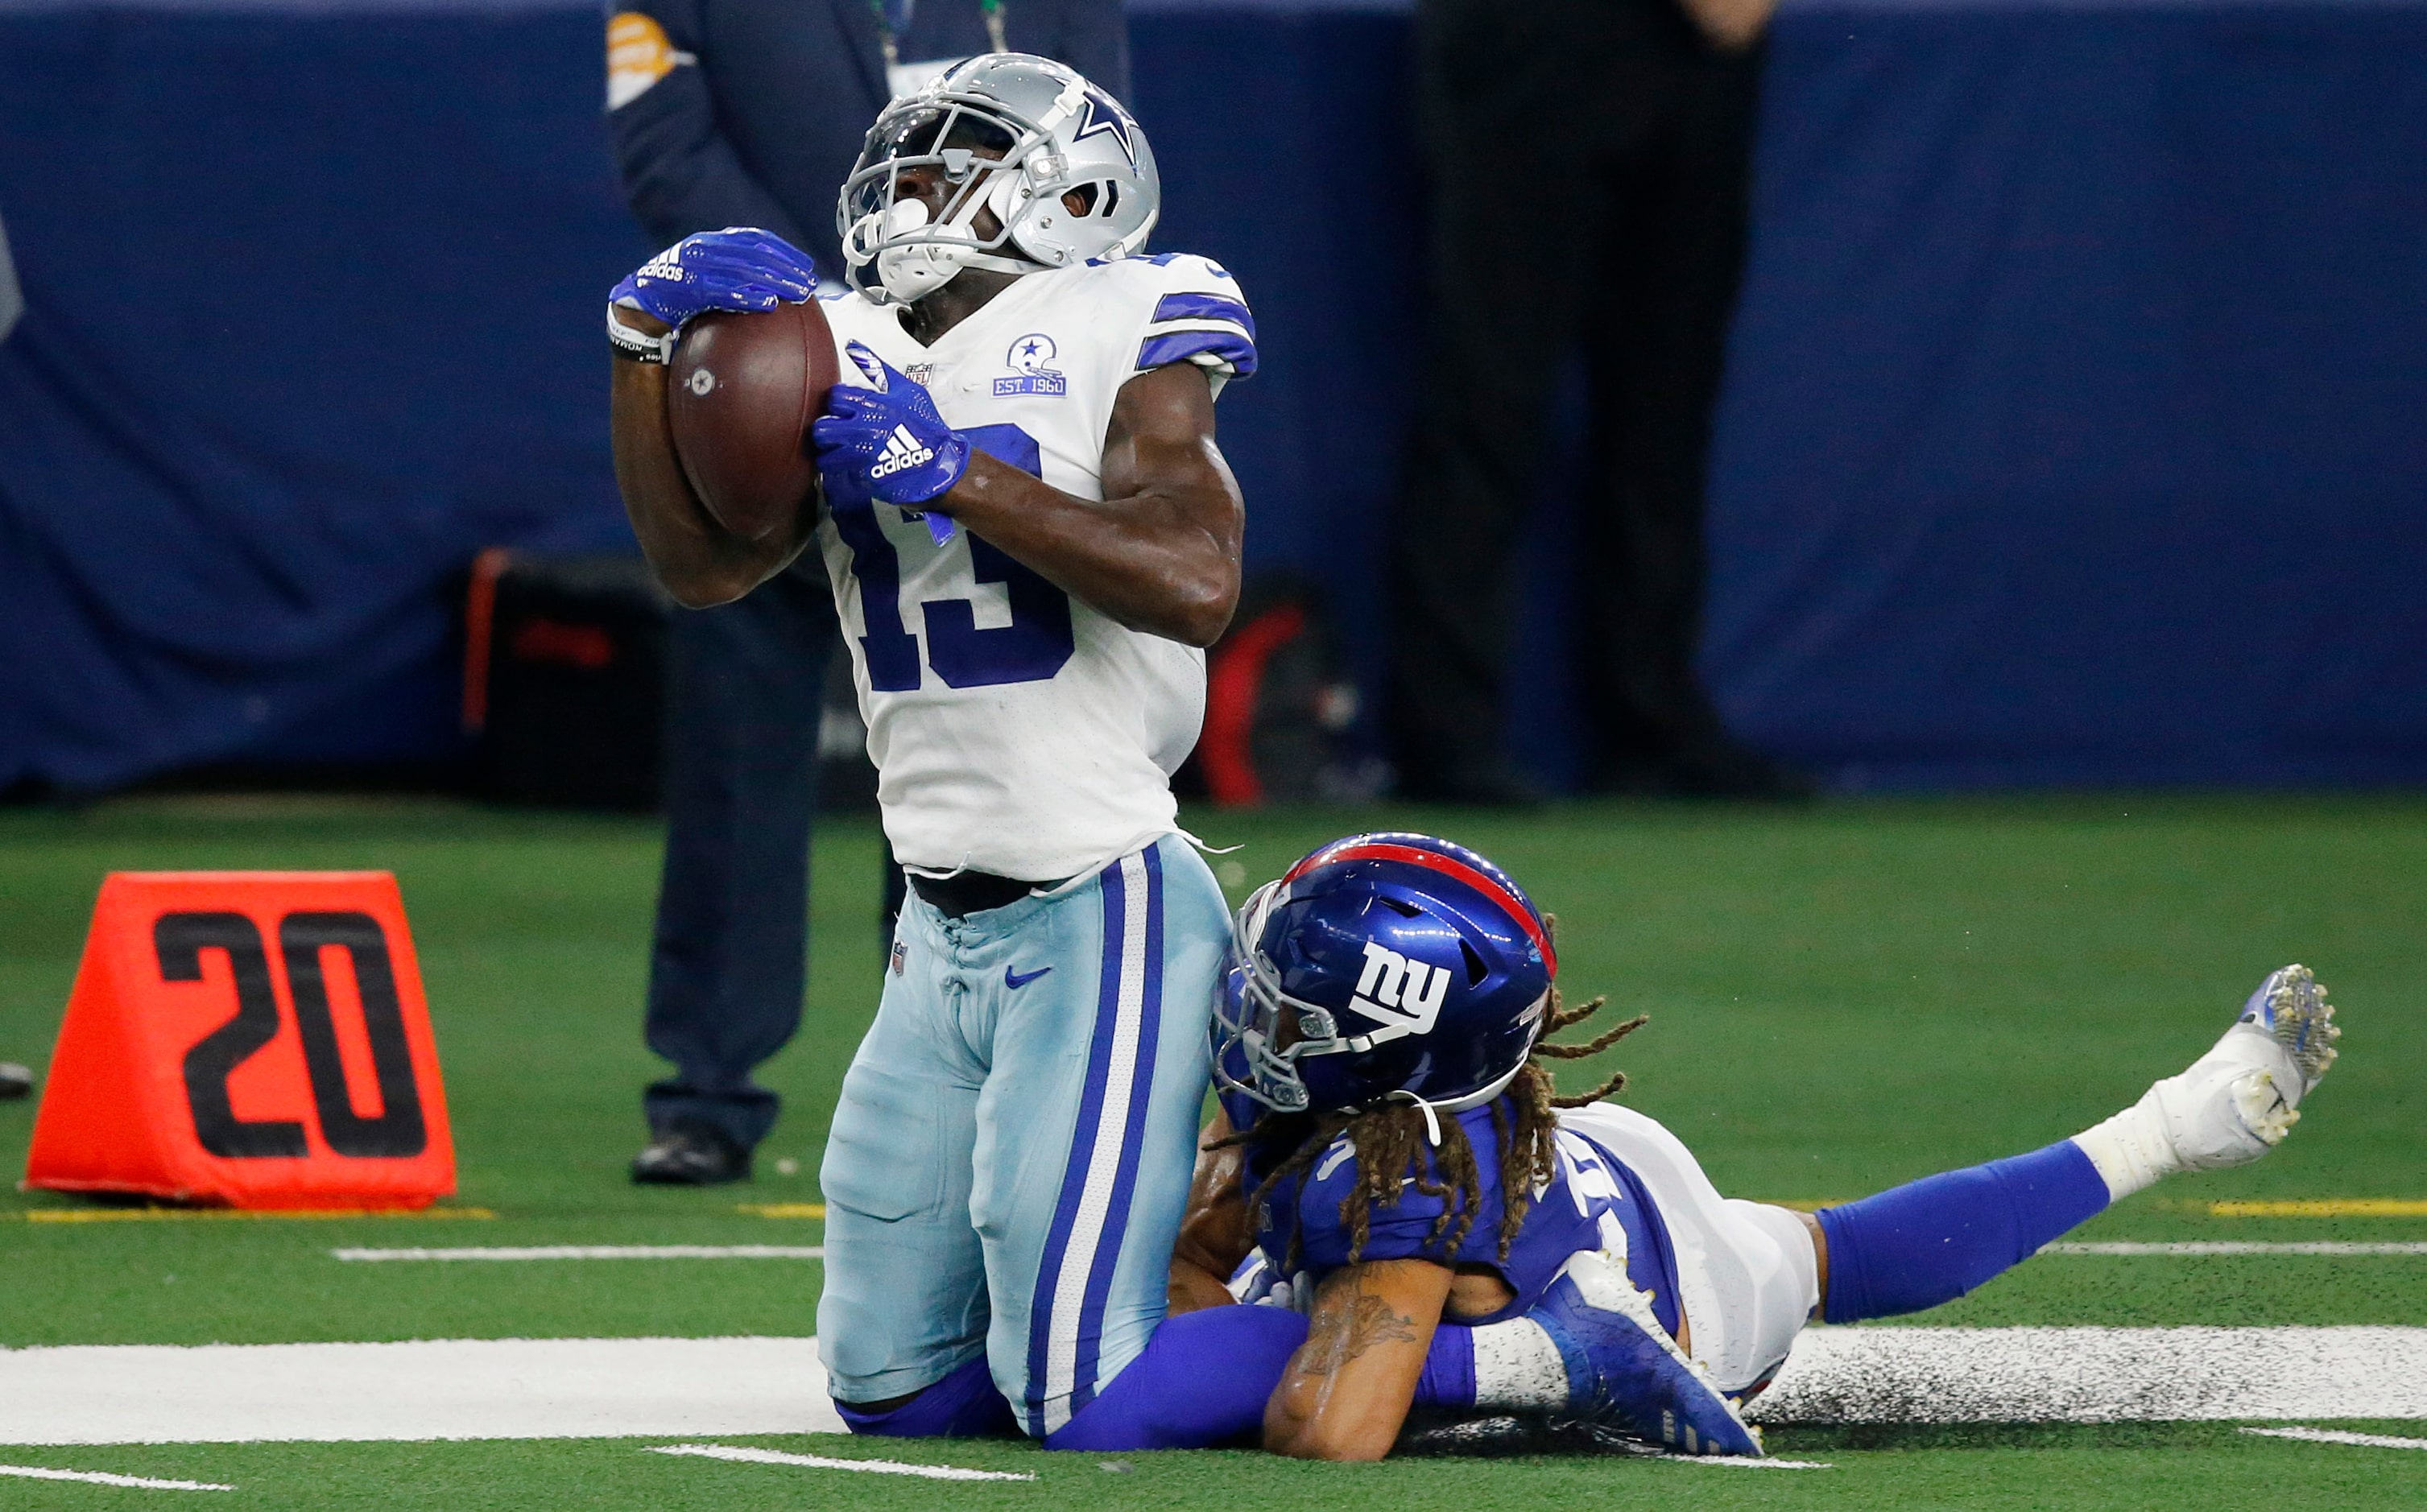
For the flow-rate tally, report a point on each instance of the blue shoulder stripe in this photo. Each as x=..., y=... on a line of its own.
x=1181, y=346
x=1163, y=260
x=1204, y=307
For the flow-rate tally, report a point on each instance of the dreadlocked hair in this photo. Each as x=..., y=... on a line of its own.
x=1391, y=1139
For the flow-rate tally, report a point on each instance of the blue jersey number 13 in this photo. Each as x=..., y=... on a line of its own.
x=1032, y=647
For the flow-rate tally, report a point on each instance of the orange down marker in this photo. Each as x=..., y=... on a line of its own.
x=250, y=1039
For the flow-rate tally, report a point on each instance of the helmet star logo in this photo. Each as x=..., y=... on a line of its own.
x=1105, y=117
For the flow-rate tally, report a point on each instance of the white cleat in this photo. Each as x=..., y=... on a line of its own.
x=2238, y=1100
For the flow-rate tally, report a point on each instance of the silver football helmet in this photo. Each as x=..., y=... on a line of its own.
x=1006, y=133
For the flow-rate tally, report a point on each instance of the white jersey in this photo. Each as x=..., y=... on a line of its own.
x=1015, y=729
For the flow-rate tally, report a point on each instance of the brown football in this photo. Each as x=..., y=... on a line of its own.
x=740, y=397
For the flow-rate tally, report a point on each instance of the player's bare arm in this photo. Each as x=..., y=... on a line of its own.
x=741, y=270
x=1348, y=1389
x=699, y=561
x=1161, y=552
x=1218, y=1231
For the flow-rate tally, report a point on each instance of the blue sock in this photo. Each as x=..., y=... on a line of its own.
x=964, y=1405
x=1930, y=1241
x=1448, y=1380
x=1203, y=1380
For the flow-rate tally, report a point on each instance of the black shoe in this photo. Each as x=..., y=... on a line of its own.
x=15, y=1080
x=691, y=1155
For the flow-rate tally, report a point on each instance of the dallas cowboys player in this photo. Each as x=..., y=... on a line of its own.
x=1466, y=1242
x=1030, y=535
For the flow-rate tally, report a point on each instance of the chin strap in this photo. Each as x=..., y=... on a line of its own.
x=1432, y=1123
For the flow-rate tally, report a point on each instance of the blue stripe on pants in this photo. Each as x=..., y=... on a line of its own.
x=1094, y=1201
x=1117, y=1217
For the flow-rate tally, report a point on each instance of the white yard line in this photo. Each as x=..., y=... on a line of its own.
x=591, y=1252
x=2238, y=1246
x=1744, y=1463
x=693, y=1389
x=96, y=1477
x=1891, y=1374
x=872, y=1467
x=426, y=1389
x=2336, y=1436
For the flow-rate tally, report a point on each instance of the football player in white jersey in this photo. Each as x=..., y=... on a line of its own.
x=1031, y=535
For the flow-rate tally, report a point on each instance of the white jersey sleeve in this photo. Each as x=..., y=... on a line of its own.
x=1197, y=315
x=1016, y=729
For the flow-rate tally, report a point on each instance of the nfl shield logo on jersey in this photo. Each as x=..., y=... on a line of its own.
x=1030, y=361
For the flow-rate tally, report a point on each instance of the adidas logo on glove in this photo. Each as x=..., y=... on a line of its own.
x=902, y=451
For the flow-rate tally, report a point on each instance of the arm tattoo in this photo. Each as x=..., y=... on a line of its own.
x=1343, y=1334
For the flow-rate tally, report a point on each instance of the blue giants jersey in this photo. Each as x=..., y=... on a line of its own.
x=1593, y=1202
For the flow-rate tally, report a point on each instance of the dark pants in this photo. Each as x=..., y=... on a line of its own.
x=1591, y=165
x=730, y=960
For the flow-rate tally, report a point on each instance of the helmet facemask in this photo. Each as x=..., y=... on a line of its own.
x=1248, y=1013
x=974, y=150
x=1016, y=171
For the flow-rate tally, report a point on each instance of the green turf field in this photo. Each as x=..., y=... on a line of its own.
x=1843, y=997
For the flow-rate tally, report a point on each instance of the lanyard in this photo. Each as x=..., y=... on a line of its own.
x=990, y=9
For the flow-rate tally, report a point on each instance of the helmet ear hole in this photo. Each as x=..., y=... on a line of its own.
x=1475, y=969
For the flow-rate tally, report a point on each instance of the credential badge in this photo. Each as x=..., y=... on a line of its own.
x=1030, y=360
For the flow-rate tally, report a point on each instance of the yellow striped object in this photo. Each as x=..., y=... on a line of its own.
x=2324, y=1208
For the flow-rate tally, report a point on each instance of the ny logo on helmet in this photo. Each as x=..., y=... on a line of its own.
x=1405, y=995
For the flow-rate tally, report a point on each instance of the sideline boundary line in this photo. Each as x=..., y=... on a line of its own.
x=871, y=1467
x=2286, y=1373
x=700, y=1391
x=99, y=1477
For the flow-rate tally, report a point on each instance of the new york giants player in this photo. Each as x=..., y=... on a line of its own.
x=1464, y=1241
x=1030, y=535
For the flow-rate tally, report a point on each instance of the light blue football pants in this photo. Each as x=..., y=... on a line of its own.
x=1012, y=1151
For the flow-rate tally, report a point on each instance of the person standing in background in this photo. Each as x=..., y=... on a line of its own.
x=1635, y=120
x=750, y=113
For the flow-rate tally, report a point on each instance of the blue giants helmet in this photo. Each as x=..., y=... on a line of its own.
x=1382, y=967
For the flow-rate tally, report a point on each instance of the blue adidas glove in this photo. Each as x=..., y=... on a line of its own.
x=1623, y=1369
x=888, y=441
x=737, y=268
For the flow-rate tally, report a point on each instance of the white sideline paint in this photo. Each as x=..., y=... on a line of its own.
x=2336, y=1436
x=96, y=1477
x=2238, y=1246
x=700, y=1388
x=872, y=1467
x=431, y=1388
x=1887, y=1375
x=1743, y=1463
x=590, y=1252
